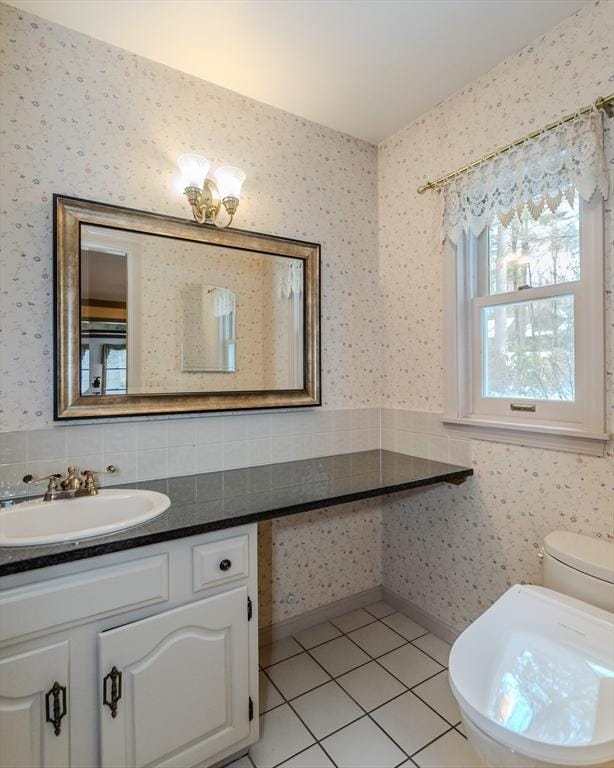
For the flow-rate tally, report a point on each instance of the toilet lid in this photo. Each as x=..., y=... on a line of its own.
x=536, y=673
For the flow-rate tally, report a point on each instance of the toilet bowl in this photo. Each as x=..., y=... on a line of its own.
x=534, y=675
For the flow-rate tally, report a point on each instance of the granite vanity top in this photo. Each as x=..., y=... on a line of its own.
x=209, y=502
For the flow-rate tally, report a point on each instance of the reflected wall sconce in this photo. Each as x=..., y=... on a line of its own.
x=207, y=196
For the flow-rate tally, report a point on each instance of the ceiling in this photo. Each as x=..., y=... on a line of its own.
x=364, y=67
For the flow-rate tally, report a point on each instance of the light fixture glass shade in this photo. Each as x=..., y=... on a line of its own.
x=229, y=181
x=193, y=170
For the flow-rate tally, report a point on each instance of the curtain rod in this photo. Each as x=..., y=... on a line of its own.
x=606, y=103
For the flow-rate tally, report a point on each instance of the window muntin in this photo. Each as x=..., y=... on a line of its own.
x=535, y=252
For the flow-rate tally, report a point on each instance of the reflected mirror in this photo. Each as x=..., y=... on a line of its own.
x=171, y=316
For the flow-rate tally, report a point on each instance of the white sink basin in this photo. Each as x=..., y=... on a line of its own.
x=48, y=522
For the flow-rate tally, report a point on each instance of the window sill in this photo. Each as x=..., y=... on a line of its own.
x=549, y=436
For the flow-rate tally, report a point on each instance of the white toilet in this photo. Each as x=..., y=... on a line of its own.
x=534, y=675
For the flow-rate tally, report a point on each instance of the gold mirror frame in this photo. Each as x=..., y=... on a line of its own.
x=69, y=214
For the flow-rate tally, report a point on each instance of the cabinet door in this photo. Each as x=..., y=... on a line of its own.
x=184, y=684
x=28, y=701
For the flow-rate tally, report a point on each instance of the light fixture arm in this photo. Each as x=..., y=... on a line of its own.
x=206, y=201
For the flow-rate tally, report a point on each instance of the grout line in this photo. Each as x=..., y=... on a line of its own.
x=317, y=741
x=459, y=731
x=354, y=629
x=367, y=713
x=445, y=666
x=282, y=660
x=432, y=741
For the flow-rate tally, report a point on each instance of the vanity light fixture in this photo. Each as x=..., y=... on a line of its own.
x=206, y=196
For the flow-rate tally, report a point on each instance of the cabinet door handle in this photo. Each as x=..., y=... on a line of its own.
x=56, y=711
x=115, y=679
x=225, y=565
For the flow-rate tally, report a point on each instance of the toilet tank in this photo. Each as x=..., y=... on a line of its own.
x=581, y=567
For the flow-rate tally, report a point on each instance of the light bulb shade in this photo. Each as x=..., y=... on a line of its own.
x=193, y=170
x=229, y=181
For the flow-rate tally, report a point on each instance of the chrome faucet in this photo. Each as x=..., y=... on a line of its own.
x=61, y=488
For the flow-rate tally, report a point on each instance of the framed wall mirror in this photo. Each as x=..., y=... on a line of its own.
x=157, y=315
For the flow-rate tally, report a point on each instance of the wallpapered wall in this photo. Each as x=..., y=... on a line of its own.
x=169, y=266
x=454, y=551
x=83, y=118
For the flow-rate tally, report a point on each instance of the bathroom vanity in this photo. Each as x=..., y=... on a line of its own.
x=141, y=648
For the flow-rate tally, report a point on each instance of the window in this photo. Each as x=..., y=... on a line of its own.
x=85, y=368
x=114, y=369
x=524, y=324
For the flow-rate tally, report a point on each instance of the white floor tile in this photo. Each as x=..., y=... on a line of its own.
x=370, y=685
x=404, y=626
x=326, y=709
x=450, y=751
x=409, y=665
x=281, y=735
x=339, y=656
x=314, y=757
x=376, y=639
x=268, y=695
x=316, y=635
x=297, y=675
x=278, y=651
x=410, y=722
x=379, y=610
x=435, y=647
x=362, y=745
x=353, y=620
x=437, y=694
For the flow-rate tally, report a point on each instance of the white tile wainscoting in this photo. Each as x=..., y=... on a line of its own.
x=367, y=689
x=170, y=447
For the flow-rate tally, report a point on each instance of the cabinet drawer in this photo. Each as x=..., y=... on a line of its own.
x=83, y=596
x=219, y=561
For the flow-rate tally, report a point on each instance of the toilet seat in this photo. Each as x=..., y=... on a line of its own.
x=536, y=673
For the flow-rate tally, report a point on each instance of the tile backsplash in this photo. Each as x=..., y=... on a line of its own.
x=146, y=450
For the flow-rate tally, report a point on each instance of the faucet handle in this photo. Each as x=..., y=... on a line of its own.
x=110, y=470
x=89, y=484
x=53, y=486
x=52, y=478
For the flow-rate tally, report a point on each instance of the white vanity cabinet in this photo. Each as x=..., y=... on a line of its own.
x=34, y=730
x=146, y=657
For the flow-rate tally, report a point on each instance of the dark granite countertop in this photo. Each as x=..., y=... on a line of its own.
x=209, y=502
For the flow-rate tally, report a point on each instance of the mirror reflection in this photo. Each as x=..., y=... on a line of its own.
x=161, y=315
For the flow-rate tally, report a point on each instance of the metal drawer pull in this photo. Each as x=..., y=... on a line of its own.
x=225, y=565
x=58, y=694
x=115, y=678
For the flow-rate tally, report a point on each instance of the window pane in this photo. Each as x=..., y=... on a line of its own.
x=535, y=253
x=116, y=380
x=116, y=357
x=85, y=368
x=528, y=350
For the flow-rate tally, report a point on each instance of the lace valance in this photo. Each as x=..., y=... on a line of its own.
x=537, y=173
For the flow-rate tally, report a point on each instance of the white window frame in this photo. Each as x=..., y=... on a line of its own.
x=577, y=426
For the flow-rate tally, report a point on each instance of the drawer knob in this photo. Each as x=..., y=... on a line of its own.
x=225, y=565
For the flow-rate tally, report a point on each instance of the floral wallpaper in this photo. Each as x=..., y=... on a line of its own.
x=166, y=268
x=84, y=118
x=454, y=551
x=80, y=117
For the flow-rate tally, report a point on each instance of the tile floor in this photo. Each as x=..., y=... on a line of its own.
x=368, y=689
